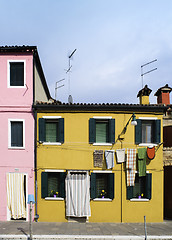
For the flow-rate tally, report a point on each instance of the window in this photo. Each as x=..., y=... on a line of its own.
x=53, y=184
x=142, y=188
x=167, y=136
x=16, y=133
x=148, y=131
x=16, y=74
x=51, y=130
x=101, y=130
x=102, y=186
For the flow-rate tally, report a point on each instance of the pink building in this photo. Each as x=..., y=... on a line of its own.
x=22, y=83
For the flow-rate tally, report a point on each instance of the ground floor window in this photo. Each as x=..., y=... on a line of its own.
x=102, y=185
x=53, y=184
x=142, y=187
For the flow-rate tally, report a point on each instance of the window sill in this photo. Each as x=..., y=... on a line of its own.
x=148, y=145
x=102, y=144
x=139, y=200
x=52, y=143
x=16, y=148
x=54, y=198
x=103, y=199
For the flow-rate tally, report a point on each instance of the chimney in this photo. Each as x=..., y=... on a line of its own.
x=163, y=95
x=143, y=95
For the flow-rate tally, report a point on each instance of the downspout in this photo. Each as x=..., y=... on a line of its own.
x=35, y=143
x=35, y=157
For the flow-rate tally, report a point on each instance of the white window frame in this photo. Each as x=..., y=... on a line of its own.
x=9, y=133
x=8, y=73
x=52, y=143
x=52, y=198
x=102, y=118
x=148, y=144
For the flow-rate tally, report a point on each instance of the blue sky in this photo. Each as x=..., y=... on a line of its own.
x=113, y=39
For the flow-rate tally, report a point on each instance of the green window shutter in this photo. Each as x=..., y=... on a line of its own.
x=62, y=184
x=112, y=130
x=44, y=184
x=41, y=129
x=149, y=185
x=129, y=192
x=51, y=131
x=111, y=185
x=92, y=130
x=61, y=130
x=93, y=186
x=157, y=131
x=138, y=131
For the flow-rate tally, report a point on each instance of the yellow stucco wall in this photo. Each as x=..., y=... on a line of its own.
x=77, y=153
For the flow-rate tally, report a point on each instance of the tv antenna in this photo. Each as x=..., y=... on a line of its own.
x=142, y=74
x=58, y=86
x=68, y=71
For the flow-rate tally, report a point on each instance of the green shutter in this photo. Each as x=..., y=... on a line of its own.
x=111, y=185
x=138, y=131
x=157, y=131
x=129, y=192
x=92, y=130
x=61, y=130
x=149, y=185
x=62, y=184
x=41, y=129
x=112, y=130
x=93, y=186
x=44, y=184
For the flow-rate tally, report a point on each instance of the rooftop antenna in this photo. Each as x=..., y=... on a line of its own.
x=142, y=74
x=58, y=86
x=68, y=71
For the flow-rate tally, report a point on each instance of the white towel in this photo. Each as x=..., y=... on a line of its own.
x=120, y=155
x=109, y=156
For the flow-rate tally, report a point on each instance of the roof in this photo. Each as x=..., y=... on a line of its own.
x=33, y=50
x=166, y=88
x=59, y=106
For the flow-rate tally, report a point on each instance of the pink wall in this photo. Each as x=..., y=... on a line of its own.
x=16, y=96
x=16, y=103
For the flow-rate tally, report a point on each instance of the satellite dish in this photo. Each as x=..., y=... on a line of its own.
x=70, y=99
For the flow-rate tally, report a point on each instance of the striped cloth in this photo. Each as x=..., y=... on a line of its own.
x=131, y=166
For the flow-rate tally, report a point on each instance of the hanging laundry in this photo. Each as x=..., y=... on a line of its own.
x=131, y=166
x=151, y=152
x=98, y=158
x=142, y=162
x=109, y=156
x=120, y=155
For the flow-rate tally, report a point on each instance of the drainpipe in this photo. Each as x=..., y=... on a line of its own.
x=35, y=163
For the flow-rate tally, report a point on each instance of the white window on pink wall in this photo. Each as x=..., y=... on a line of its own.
x=16, y=133
x=16, y=73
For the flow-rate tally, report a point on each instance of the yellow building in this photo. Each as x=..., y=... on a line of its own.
x=91, y=162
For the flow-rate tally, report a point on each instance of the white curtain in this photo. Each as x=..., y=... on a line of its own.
x=78, y=194
x=15, y=195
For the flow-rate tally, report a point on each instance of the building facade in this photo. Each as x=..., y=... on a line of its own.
x=92, y=164
x=22, y=83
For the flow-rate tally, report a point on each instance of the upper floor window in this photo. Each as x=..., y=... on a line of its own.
x=16, y=133
x=51, y=130
x=167, y=136
x=101, y=130
x=16, y=73
x=148, y=131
